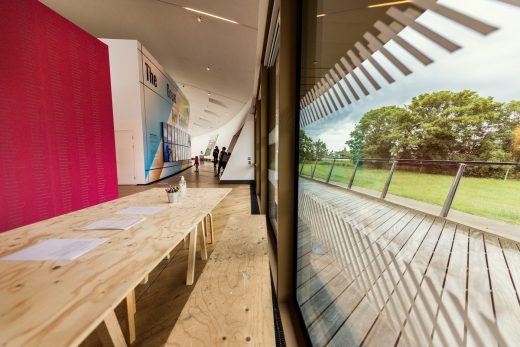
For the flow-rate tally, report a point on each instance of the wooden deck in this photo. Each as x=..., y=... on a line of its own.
x=371, y=273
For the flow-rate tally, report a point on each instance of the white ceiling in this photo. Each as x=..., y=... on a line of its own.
x=184, y=46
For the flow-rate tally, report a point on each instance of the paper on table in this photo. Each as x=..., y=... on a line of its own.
x=112, y=224
x=56, y=249
x=142, y=210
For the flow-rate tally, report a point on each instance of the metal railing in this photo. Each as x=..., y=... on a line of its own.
x=461, y=165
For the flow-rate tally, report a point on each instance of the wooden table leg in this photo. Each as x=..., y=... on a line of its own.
x=210, y=227
x=190, y=276
x=185, y=242
x=203, y=249
x=131, y=309
x=109, y=332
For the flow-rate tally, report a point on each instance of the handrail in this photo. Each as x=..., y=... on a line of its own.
x=426, y=161
x=451, y=194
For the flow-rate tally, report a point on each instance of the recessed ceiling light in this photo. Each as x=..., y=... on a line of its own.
x=207, y=68
x=210, y=15
x=199, y=19
x=389, y=3
x=321, y=15
x=209, y=93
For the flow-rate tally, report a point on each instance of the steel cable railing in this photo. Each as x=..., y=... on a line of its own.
x=435, y=167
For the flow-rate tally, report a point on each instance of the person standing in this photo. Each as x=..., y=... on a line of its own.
x=215, y=157
x=220, y=160
x=197, y=163
x=225, y=159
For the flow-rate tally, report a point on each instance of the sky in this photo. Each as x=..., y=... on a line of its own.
x=489, y=65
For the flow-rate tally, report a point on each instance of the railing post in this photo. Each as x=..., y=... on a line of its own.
x=353, y=175
x=330, y=171
x=314, y=169
x=453, y=190
x=507, y=174
x=388, y=180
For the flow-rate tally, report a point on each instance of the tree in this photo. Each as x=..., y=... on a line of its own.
x=441, y=125
x=306, y=147
x=356, y=142
x=515, y=146
x=377, y=135
x=512, y=142
x=320, y=149
x=462, y=126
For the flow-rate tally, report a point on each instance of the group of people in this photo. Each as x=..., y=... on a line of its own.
x=219, y=157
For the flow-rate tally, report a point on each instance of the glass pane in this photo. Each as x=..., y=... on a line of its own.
x=307, y=168
x=322, y=169
x=272, y=192
x=372, y=175
x=429, y=183
x=342, y=172
x=391, y=81
x=491, y=192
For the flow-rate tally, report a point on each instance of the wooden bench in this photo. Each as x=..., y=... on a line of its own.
x=231, y=303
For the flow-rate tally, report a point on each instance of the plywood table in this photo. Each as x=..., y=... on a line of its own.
x=59, y=303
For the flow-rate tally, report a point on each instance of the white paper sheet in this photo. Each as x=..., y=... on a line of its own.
x=142, y=210
x=112, y=224
x=56, y=249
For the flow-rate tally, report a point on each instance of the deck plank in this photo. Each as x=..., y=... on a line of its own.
x=321, y=279
x=479, y=290
x=436, y=271
x=317, y=263
x=352, y=301
x=326, y=328
x=506, y=307
x=416, y=252
x=455, y=283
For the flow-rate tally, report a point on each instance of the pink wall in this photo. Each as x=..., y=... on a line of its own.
x=57, y=151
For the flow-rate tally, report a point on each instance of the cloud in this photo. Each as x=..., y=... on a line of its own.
x=487, y=64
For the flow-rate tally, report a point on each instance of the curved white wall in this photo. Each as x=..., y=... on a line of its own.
x=240, y=166
x=225, y=132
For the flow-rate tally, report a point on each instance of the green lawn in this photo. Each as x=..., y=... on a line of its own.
x=487, y=197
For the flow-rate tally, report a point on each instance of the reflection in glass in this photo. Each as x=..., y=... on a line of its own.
x=432, y=85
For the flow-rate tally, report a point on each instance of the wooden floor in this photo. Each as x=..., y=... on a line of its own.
x=160, y=301
x=371, y=273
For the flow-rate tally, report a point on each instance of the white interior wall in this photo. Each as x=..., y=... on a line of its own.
x=240, y=166
x=139, y=108
x=126, y=98
x=225, y=133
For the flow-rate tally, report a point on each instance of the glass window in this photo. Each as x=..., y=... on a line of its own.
x=273, y=147
x=409, y=182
